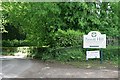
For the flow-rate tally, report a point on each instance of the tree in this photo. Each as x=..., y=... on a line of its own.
x=35, y=19
x=40, y=21
x=90, y=16
x=109, y=18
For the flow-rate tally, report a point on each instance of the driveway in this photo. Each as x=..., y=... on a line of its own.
x=26, y=68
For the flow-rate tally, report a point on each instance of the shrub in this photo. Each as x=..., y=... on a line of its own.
x=67, y=38
x=8, y=50
x=78, y=54
x=7, y=43
x=24, y=43
x=64, y=54
x=15, y=43
x=70, y=55
x=111, y=53
x=39, y=52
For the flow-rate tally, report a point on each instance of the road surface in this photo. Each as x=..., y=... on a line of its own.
x=26, y=68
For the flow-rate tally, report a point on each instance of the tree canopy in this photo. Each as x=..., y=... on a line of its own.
x=40, y=21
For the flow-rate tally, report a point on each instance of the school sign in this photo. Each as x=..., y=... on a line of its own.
x=94, y=39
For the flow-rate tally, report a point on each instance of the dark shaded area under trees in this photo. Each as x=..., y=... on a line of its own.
x=14, y=33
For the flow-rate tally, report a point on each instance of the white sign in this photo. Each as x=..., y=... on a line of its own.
x=94, y=39
x=92, y=54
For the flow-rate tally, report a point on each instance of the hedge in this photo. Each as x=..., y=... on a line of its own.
x=15, y=43
x=75, y=53
x=67, y=38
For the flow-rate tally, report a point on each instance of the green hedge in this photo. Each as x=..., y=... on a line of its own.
x=15, y=43
x=75, y=53
x=67, y=38
x=8, y=50
x=62, y=54
x=39, y=52
x=111, y=53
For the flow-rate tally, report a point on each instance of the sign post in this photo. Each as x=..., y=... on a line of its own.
x=101, y=55
x=94, y=39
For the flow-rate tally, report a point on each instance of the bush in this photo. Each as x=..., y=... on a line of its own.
x=70, y=55
x=78, y=54
x=39, y=52
x=67, y=38
x=15, y=43
x=111, y=53
x=8, y=50
x=64, y=54
x=6, y=43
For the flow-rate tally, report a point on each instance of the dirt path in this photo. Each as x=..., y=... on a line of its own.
x=24, y=68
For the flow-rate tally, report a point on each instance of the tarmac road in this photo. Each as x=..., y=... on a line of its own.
x=26, y=68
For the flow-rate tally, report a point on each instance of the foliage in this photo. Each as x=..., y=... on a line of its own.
x=111, y=53
x=58, y=25
x=41, y=20
x=39, y=52
x=75, y=54
x=33, y=18
x=15, y=43
x=14, y=33
x=70, y=55
x=62, y=54
x=109, y=19
x=90, y=16
x=67, y=38
x=8, y=50
x=78, y=16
